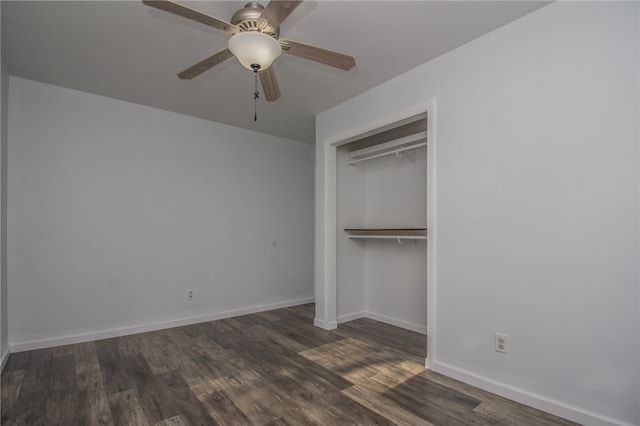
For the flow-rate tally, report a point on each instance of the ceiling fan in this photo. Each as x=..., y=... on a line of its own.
x=255, y=41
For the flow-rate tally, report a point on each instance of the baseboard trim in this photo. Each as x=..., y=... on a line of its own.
x=327, y=325
x=5, y=357
x=422, y=329
x=522, y=396
x=142, y=328
x=351, y=317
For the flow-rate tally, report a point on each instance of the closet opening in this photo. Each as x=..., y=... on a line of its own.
x=382, y=226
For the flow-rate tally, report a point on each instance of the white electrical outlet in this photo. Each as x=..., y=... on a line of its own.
x=501, y=343
x=190, y=295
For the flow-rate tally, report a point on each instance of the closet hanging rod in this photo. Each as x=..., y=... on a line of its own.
x=394, y=152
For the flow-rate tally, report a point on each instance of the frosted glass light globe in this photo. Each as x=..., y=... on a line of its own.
x=253, y=47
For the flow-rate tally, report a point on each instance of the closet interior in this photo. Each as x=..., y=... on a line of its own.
x=381, y=225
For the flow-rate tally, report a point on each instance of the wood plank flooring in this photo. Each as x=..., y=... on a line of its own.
x=271, y=368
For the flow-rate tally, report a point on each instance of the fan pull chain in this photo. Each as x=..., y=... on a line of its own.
x=256, y=94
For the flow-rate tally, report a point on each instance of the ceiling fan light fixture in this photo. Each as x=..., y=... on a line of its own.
x=254, y=48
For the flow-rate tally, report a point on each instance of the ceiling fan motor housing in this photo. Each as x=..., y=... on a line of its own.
x=248, y=19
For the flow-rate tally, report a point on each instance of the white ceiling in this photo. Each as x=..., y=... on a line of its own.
x=129, y=51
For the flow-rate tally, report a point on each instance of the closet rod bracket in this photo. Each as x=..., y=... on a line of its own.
x=409, y=154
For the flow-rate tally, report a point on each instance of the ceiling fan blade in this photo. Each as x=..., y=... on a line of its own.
x=205, y=65
x=194, y=15
x=317, y=54
x=269, y=84
x=278, y=10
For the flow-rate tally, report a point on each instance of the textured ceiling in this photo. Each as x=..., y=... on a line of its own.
x=129, y=51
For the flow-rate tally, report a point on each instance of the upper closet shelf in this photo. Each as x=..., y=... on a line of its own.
x=396, y=147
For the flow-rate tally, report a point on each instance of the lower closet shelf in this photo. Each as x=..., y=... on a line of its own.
x=389, y=233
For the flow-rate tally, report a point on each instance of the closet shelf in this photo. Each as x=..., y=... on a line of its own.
x=389, y=233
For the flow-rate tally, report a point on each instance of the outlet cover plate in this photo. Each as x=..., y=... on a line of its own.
x=501, y=343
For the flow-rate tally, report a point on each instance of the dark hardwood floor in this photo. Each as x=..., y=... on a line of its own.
x=270, y=368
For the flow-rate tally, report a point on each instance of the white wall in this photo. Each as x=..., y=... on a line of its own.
x=4, y=99
x=396, y=275
x=537, y=206
x=350, y=274
x=116, y=210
